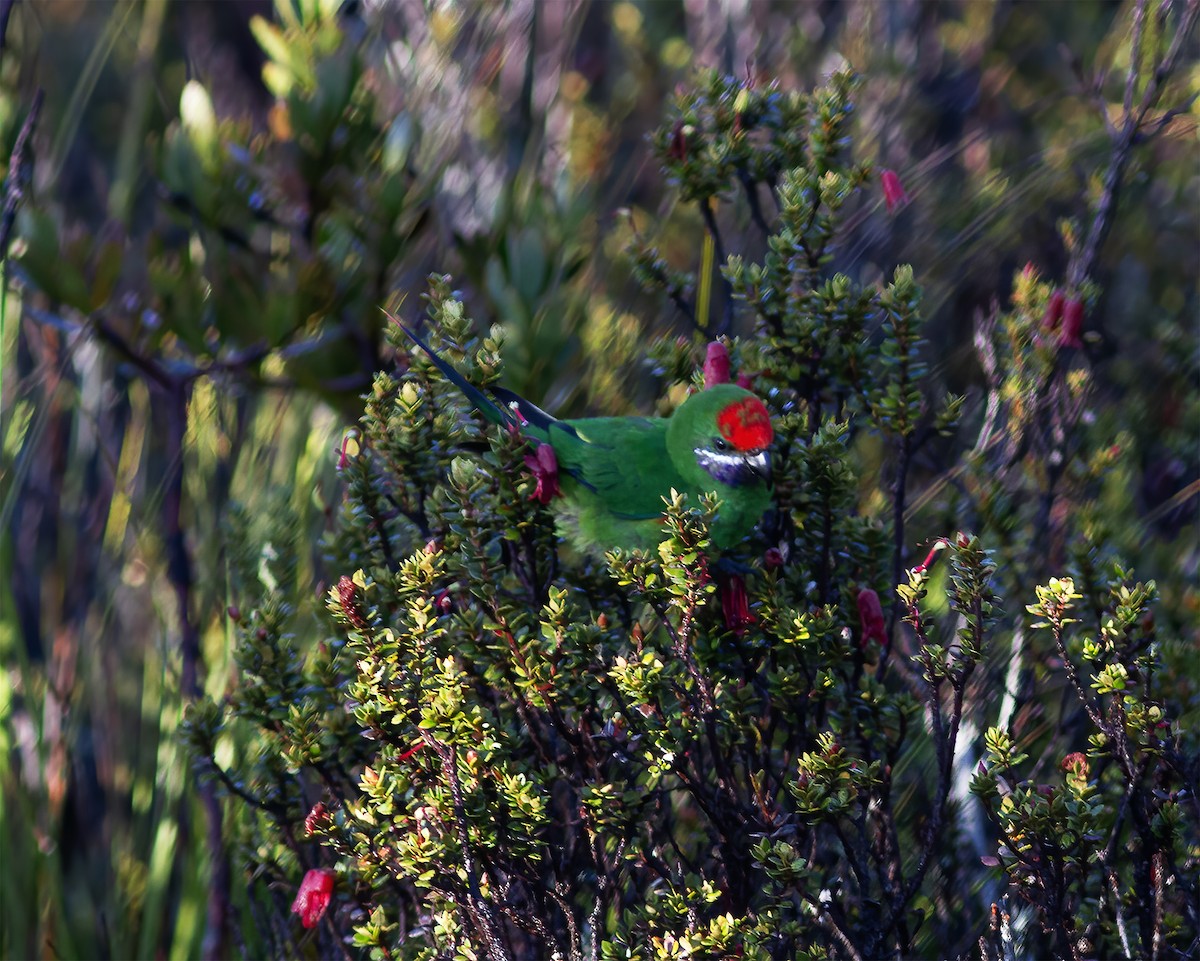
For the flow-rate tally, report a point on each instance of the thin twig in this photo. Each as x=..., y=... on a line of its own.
x=710, y=221
x=1128, y=133
x=13, y=192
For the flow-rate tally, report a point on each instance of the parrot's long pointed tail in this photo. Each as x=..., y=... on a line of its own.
x=486, y=405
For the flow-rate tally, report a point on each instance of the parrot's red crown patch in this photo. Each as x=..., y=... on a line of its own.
x=746, y=424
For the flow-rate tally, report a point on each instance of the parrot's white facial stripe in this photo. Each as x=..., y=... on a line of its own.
x=733, y=468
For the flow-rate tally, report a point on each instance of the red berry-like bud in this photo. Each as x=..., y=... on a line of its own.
x=1076, y=764
x=347, y=592
x=317, y=818
x=234, y=613
x=772, y=558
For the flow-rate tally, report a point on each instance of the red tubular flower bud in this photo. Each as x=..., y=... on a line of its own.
x=1054, y=311
x=678, y=148
x=316, y=891
x=940, y=544
x=894, y=194
x=1072, y=327
x=348, y=449
x=735, y=606
x=412, y=751
x=870, y=618
x=716, y=364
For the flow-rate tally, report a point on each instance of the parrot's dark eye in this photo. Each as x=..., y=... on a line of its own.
x=720, y=444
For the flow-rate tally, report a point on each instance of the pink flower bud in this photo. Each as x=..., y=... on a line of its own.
x=894, y=194
x=745, y=381
x=773, y=558
x=716, y=364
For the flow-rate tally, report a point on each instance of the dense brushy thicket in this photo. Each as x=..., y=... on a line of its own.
x=507, y=750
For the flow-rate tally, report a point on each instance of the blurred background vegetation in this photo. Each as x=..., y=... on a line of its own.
x=215, y=199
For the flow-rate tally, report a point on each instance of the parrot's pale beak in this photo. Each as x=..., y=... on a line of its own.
x=760, y=464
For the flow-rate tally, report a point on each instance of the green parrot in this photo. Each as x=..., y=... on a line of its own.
x=613, y=472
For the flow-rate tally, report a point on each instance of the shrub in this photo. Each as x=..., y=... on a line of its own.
x=508, y=749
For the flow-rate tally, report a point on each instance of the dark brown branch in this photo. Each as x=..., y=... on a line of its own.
x=179, y=573
x=479, y=908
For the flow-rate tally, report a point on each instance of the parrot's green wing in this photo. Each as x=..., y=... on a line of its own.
x=620, y=462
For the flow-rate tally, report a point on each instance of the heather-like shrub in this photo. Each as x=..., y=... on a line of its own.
x=505, y=748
